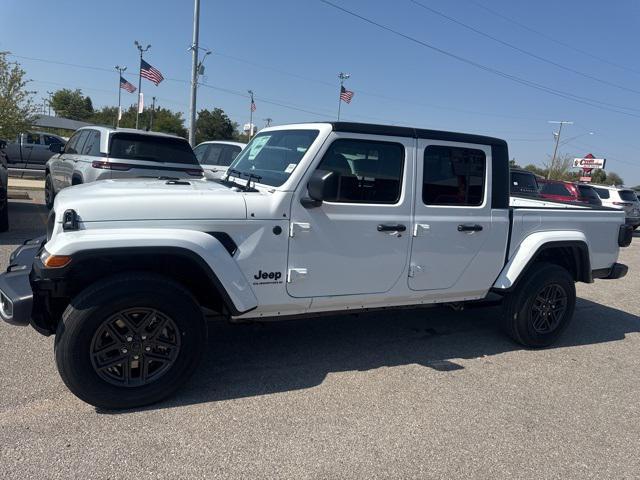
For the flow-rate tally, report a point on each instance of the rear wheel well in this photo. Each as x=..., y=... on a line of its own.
x=572, y=256
x=76, y=179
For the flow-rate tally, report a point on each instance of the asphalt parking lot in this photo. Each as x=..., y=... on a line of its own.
x=407, y=394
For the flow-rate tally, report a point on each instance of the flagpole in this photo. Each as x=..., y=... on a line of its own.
x=250, y=115
x=142, y=50
x=120, y=71
x=342, y=76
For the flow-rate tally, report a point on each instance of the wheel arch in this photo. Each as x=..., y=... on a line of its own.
x=571, y=253
x=196, y=260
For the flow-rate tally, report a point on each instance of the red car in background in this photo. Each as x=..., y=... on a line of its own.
x=568, y=192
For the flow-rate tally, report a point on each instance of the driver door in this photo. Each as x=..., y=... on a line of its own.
x=356, y=242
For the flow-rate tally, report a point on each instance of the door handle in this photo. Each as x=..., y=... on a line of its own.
x=391, y=227
x=469, y=228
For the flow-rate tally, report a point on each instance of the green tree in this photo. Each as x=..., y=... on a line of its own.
x=164, y=120
x=614, y=179
x=599, y=176
x=106, y=116
x=513, y=163
x=17, y=110
x=72, y=104
x=214, y=125
x=536, y=169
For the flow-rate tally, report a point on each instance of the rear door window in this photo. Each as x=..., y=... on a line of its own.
x=453, y=176
x=131, y=146
x=72, y=144
x=92, y=145
x=602, y=193
x=33, y=139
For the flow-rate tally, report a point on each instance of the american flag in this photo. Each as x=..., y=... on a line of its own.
x=126, y=85
x=345, y=95
x=150, y=73
x=253, y=105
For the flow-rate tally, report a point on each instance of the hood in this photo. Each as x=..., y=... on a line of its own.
x=151, y=199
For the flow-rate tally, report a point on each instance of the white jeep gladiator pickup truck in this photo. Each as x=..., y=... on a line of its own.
x=318, y=217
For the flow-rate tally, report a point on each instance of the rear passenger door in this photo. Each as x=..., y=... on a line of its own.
x=457, y=245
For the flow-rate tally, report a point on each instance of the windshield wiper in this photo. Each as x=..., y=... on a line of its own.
x=239, y=174
x=251, y=176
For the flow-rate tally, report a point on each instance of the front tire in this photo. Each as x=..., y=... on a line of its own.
x=49, y=193
x=129, y=340
x=541, y=308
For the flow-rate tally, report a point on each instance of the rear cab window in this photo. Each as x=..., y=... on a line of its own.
x=522, y=182
x=132, y=146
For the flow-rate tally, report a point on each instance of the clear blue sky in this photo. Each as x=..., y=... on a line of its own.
x=290, y=52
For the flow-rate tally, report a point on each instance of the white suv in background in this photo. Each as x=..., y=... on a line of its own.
x=216, y=156
x=621, y=198
x=100, y=153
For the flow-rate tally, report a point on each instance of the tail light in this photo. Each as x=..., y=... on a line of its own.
x=111, y=166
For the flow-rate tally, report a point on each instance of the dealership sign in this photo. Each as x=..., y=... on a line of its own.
x=589, y=162
x=587, y=165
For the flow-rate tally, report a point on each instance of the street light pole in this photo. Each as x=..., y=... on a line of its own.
x=555, y=150
x=120, y=71
x=250, y=92
x=49, y=103
x=194, y=73
x=141, y=50
x=342, y=76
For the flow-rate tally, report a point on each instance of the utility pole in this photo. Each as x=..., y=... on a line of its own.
x=141, y=50
x=251, y=109
x=268, y=121
x=153, y=109
x=120, y=71
x=194, y=73
x=555, y=150
x=342, y=76
x=49, y=102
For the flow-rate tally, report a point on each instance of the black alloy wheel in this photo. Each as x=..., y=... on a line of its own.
x=135, y=347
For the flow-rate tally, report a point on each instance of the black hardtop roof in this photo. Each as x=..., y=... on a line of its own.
x=395, y=131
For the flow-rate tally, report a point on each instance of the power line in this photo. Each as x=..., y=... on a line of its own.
x=559, y=93
x=521, y=50
x=552, y=39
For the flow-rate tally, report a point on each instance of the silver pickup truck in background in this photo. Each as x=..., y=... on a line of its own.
x=30, y=150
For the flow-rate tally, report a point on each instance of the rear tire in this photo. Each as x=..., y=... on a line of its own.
x=49, y=193
x=541, y=308
x=129, y=341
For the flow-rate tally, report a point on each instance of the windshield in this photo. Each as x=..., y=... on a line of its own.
x=274, y=155
x=152, y=148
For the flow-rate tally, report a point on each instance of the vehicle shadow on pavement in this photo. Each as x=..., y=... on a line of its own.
x=261, y=358
x=26, y=220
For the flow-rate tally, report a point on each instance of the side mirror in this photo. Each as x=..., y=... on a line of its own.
x=322, y=185
x=56, y=147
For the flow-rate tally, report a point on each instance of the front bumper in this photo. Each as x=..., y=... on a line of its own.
x=16, y=294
